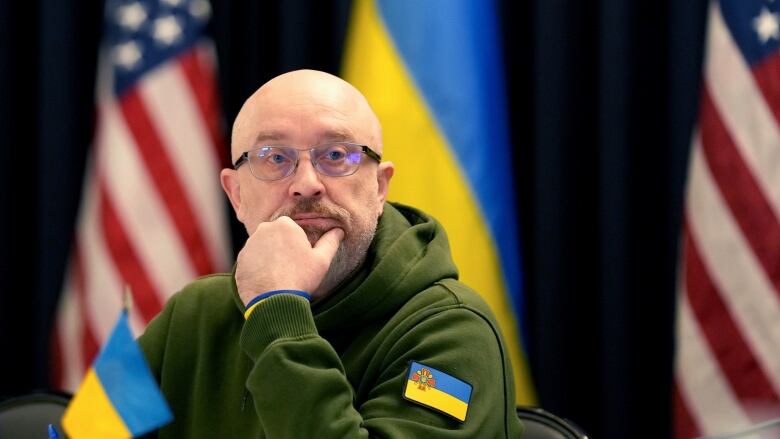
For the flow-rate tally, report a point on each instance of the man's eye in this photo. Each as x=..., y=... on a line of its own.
x=277, y=158
x=334, y=154
x=273, y=158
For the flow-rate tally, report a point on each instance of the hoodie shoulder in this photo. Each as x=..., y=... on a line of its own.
x=213, y=292
x=451, y=293
x=447, y=296
x=211, y=286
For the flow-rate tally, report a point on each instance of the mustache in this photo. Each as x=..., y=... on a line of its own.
x=315, y=205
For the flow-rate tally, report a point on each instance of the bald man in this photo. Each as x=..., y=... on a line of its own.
x=343, y=316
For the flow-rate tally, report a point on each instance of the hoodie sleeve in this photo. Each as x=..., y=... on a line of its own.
x=300, y=387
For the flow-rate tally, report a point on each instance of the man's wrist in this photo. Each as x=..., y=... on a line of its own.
x=257, y=300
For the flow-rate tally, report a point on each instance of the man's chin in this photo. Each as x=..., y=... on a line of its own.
x=314, y=233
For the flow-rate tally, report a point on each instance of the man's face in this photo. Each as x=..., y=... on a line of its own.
x=314, y=201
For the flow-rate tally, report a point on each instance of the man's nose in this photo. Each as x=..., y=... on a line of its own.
x=306, y=180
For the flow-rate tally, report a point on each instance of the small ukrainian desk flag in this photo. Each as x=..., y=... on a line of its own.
x=119, y=397
x=435, y=389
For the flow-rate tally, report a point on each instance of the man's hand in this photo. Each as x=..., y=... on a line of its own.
x=278, y=256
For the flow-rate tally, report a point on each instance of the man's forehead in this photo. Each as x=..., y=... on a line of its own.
x=335, y=133
x=303, y=109
x=306, y=95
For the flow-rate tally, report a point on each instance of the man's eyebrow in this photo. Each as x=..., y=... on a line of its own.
x=328, y=135
x=337, y=135
x=268, y=136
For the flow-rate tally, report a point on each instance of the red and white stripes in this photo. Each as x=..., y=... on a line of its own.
x=728, y=321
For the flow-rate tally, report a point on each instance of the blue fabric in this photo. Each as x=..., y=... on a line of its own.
x=264, y=296
x=445, y=382
x=453, y=53
x=128, y=382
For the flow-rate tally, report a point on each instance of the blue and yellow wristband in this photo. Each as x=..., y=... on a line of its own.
x=262, y=297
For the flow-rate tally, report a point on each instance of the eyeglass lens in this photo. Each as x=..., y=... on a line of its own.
x=276, y=162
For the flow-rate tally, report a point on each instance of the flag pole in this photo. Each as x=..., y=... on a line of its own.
x=127, y=300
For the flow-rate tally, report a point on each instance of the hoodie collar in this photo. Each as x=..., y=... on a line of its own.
x=409, y=253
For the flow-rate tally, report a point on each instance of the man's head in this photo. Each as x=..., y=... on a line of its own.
x=302, y=109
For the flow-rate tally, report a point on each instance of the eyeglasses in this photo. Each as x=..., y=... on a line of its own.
x=331, y=159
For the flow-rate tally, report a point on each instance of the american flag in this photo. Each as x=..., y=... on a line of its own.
x=152, y=215
x=728, y=320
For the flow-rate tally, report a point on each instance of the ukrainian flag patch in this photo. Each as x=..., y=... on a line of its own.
x=437, y=390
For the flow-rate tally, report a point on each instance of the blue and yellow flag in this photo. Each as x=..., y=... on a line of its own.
x=437, y=390
x=432, y=71
x=119, y=397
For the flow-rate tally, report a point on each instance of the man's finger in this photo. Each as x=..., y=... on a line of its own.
x=329, y=242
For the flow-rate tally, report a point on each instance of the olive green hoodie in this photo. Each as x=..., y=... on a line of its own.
x=337, y=368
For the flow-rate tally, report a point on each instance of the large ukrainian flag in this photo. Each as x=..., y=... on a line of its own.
x=432, y=71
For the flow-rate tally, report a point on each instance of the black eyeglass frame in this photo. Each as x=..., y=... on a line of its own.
x=244, y=157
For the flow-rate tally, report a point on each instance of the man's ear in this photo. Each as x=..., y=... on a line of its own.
x=384, y=173
x=232, y=187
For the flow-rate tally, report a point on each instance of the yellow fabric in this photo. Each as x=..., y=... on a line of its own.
x=437, y=399
x=427, y=175
x=248, y=312
x=91, y=415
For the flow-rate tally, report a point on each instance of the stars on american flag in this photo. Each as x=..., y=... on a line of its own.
x=143, y=30
x=131, y=16
x=127, y=55
x=142, y=34
x=767, y=25
x=166, y=29
x=200, y=9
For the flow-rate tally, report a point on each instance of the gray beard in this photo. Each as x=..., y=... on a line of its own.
x=349, y=256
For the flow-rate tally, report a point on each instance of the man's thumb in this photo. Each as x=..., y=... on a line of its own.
x=329, y=242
